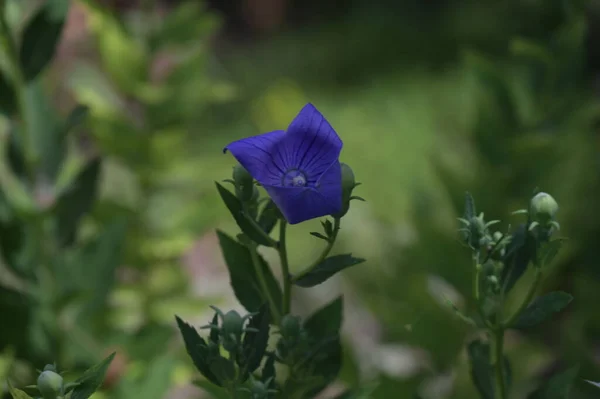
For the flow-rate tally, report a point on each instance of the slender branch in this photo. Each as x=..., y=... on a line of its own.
x=326, y=250
x=477, y=291
x=285, y=269
x=263, y=283
x=498, y=361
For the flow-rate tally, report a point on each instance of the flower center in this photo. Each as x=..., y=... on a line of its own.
x=294, y=178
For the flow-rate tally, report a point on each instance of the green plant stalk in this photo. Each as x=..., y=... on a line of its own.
x=285, y=269
x=476, y=292
x=326, y=250
x=498, y=361
x=12, y=57
x=263, y=283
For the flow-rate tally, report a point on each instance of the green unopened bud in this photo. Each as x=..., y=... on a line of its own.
x=348, y=184
x=50, y=384
x=244, y=183
x=233, y=323
x=543, y=207
x=290, y=326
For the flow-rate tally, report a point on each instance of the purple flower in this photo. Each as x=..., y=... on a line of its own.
x=299, y=167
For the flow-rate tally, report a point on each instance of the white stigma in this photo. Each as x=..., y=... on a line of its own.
x=299, y=181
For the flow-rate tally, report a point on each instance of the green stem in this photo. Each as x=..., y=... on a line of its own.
x=326, y=250
x=498, y=361
x=528, y=298
x=12, y=56
x=477, y=292
x=285, y=269
x=263, y=283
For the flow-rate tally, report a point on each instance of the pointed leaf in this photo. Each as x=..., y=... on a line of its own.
x=469, y=207
x=76, y=202
x=520, y=252
x=327, y=269
x=549, y=251
x=255, y=343
x=197, y=349
x=327, y=321
x=214, y=333
x=252, y=230
x=242, y=272
x=18, y=394
x=215, y=391
x=91, y=379
x=482, y=373
x=558, y=387
x=269, y=216
x=41, y=37
x=7, y=96
x=268, y=371
x=319, y=235
x=542, y=308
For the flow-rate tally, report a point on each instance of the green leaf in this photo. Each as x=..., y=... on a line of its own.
x=154, y=384
x=215, y=391
x=520, y=252
x=542, y=308
x=549, y=251
x=245, y=223
x=327, y=269
x=17, y=393
x=223, y=369
x=557, y=387
x=242, y=274
x=269, y=216
x=469, y=207
x=76, y=202
x=197, y=349
x=319, y=235
x=76, y=117
x=481, y=371
x=41, y=37
x=254, y=344
x=327, y=321
x=91, y=379
x=214, y=333
x=7, y=96
x=268, y=371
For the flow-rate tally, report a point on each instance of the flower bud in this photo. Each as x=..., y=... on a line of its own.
x=348, y=184
x=543, y=207
x=50, y=384
x=233, y=323
x=244, y=183
x=290, y=326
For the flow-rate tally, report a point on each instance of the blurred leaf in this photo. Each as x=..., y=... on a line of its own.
x=548, y=252
x=319, y=235
x=76, y=202
x=187, y=22
x=327, y=321
x=558, y=387
x=41, y=37
x=18, y=394
x=91, y=379
x=327, y=269
x=156, y=382
x=122, y=56
x=7, y=96
x=215, y=391
x=76, y=117
x=255, y=343
x=223, y=369
x=252, y=230
x=242, y=274
x=15, y=333
x=269, y=216
x=542, y=308
x=482, y=372
x=214, y=333
x=197, y=349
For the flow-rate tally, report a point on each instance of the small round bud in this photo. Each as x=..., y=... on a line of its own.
x=348, y=184
x=50, y=384
x=497, y=236
x=290, y=326
x=543, y=207
x=233, y=323
x=244, y=183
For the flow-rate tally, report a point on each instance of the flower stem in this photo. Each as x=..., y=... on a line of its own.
x=285, y=269
x=532, y=289
x=326, y=250
x=477, y=292
x=263, y=283
x=498, y=361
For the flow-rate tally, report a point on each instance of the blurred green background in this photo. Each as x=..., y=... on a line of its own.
x=430, y=98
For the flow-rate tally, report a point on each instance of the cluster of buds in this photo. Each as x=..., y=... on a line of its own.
x=476, y=232
x=231, y=329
